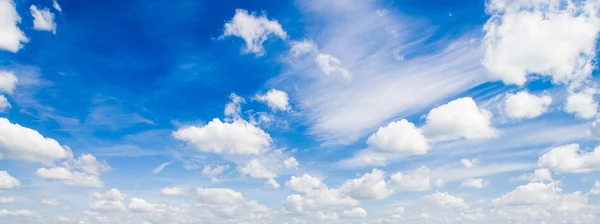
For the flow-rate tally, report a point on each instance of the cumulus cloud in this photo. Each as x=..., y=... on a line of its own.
x=549, y=38
x=291, y=163
x=469, y=163
x=417, y=180
x=475, y=183
x=596, y=190
x=84, y=172
x=399, y=137
x=318, y=199
x=233, y=109
x=594, y=130
x=11, y=37
x=50, y=202
x=8, y=81
x=302, y=47
x=255, y=169
x=236, y=137
x=275, y=99
x=368, y=186
x=7, y=181
x=111, y=200
x=141, y=205
x=525, y=105
x=305, y=183
x=571, y=159
x=538, y=175
x=21, y=143
x=43, y=19
x=19, y=213
x=253, y=29
x=7, y=200
x=446, y=200
x=531, y=194
x=173, y=191
x=4, y=104
x=213, y=172
x=582, y=104
x=332, y=65
x=355, y=213
x=460, y=118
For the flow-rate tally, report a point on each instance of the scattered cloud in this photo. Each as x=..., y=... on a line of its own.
x=43, y=19
x=525, y=105
x=253, y=29
x=11, y=37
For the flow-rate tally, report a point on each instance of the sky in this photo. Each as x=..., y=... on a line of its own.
x=308, y=111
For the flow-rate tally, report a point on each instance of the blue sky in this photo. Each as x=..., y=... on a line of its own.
x=315, y=111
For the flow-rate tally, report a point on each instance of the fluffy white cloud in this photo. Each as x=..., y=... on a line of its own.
x=355, y=213
x=446, y=200
x=596, y=190
x=219, y=196
x=595, y=129
x=536, y=193
x=326, y=216
x=50, y=202
x=173, y=191
x=399, y=137
x=291, y=163
x=83, y=172
x=397, y=212
x=111, y=200
x=21, y=143
x=469, y=163
x=7, y=181
x=582, y=104
x=418, y=180
x=305, y=183
x=233, y=109
x=537, y=176
x=368, y=186
x=237, y=137
x=275, y=99
x=4, y=104
x=11, y=37
x=570, y=159
x=56, y=5
x=8, y=81
x=460, y=118
x=255, y=169
x=211, y=172
x=43, y=19
x=526, y=105
x=318, y=199
x=19, y=213
x=549, y=38
x=7, y=200
x=253, y=29
x=302, y=47
x=475, y=183
x=141, y=205
x=330, y=64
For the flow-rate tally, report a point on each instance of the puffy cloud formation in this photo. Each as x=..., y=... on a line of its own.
x=305, y=183
x=11, y=37
x=475, y=183
x=318, y=199
x=550, y=38
x=173, y=191
x=530, y=194
x=7, y=200
x=211, y=172
x=596, y=190
x=418, y=180
x=291, y=163
x=302, y=47
x=526, y=105
x=399, y=137
x=275, y=99
x=8, y=82
x=460, y=118
x=330, y=64
x=21, y=143
x=369, y=186
x=255, y=169
x=7, y=181
x=233, y=109
x=538, y=175
x=469, y=163
x=582, y=104
x=355, y=213
x=253, y=29
x=571, y=159
x=111, y=200
x=237, y=137
x=84, y=172
x=43, y=19
x=595, y=128
x=446, y=200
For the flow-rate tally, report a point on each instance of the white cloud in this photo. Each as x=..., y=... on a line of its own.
x=83, y=172
x=469, y=163
x=21, y=143
x=19, y=213
x=254, y=30
x=330, y=64
x=326, y=216
x=302, y=47
x=445, y=200
x=536, y=193
x=570, y=159
x=594, y=130
x=596, y=190
x=256, y=169
x=211, y=172
x=11, y=37
x=50, y=202
x=141, y=205
x=43, y=19
x=582, y=104
x=8, y=81
x=397, y=212
x=291, y=163
x=305, y=183
x=233, y=109
x=460, y=118
x=399, y=137
x=7, y=181
x=275, y=99
x=173, y=191
x=318, y=199
x=418, y=180
x=526, y=105
x=219, y=196
x=237, y=137
x=56, y=5
x=111, y=200
x=538, y=175
x=355, y=213
x=475, y=183
x=4, y=104
x=549, y=38
x=161, y=167
x=368, y=186
x=7, y=200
